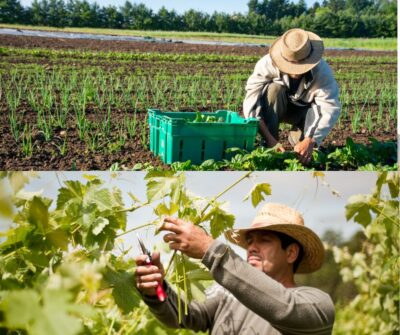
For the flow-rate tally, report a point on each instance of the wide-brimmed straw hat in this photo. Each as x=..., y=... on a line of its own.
x=297, y=51
x=281, y=218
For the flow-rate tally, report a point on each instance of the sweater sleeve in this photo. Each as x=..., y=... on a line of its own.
x=302, y=310
x=327, y=105
x=200, y=315
x=263, y=74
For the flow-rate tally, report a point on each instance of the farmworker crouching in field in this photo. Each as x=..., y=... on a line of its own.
x=259, y=296
x=293, y=84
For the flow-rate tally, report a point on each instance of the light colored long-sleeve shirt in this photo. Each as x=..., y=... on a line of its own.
x=247, y=301
x=320, y=90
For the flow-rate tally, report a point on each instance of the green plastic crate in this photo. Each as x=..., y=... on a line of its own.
x=175, y=137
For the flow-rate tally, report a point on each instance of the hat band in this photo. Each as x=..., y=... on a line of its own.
x=297, y=61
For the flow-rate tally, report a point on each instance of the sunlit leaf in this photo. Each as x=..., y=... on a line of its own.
x=257, y=193
x=359, y=208
x=51, y=314
x=38, y=214
x=162, y=209
x=99, y=224
x=89, y=177
x=124, y=291
x=219, y=221
x=73, y=190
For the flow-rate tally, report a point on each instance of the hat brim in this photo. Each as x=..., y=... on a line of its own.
x=312, y=245
x=302, y=66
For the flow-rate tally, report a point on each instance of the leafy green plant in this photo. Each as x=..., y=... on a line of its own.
x=207, y=118
x=63, y=256
x=375, y=270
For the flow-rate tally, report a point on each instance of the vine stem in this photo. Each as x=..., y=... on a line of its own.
x=246, y=175
x=133, y=229
x=133, y=208
x=383, y=214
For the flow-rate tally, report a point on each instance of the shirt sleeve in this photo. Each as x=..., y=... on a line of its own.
x=263, y=74
x=302, y=310
x=326, y=104
x=200, y=314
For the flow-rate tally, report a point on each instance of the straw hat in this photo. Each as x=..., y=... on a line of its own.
x=297, y=51
x=281, y=218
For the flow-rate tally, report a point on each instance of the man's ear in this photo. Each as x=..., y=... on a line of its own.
x=292, y=252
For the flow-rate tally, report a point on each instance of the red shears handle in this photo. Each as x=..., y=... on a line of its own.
x=161, y=295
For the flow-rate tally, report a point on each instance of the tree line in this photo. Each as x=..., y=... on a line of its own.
x=331, y=18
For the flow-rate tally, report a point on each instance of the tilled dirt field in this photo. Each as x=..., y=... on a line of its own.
x=125, y=46
x=47, y=154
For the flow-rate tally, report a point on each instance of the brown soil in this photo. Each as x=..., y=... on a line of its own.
x=127, y=46
x=47, y=155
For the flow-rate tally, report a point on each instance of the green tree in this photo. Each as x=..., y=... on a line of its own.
x=57, y=15
x=11, y=11
x=253, y=6
x=126, y=12
x=141, y=17
x=325, y=22
x=194, y=20
x=111, y=17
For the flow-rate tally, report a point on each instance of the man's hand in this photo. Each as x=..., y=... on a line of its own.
x=148, y=276
x=270, y=141
x=186, y=237
x=305, y=149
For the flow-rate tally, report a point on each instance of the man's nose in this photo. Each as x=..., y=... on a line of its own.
x=252, y=246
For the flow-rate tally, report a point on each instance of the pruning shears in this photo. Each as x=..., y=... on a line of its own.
x=161, y=295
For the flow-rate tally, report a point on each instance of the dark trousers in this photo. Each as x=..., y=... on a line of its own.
x=278, y=108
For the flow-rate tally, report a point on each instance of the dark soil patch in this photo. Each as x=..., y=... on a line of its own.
x=127, y=46
x=47, y=155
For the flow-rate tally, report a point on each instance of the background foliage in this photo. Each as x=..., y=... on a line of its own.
x=331, y=18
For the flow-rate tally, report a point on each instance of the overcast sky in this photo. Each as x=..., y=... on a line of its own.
x=322, y=210
x=209, y=6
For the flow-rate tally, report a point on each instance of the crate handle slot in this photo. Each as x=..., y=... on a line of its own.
x=224, y=149
x=180, y=150
x=203, y=149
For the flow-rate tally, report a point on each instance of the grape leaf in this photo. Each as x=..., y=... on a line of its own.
x=73, y=190
x=257, y=193
x=51, y=314
x=159, y=187
x=162, y=209
x=101, y=197
x=15, y=235
x=38, y=214
x=219, y=221
x=358, y=207
x=18, y=180
x=124, y=291
x=99, y=224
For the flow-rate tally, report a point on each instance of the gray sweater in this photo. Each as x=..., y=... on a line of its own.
x=247, y=301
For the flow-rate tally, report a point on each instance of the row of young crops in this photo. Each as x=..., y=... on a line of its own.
x=100, y=99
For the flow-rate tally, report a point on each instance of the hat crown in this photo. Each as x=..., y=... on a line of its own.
x=296, y=45
x=272, y=213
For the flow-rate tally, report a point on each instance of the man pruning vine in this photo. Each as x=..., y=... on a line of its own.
x=257, y=296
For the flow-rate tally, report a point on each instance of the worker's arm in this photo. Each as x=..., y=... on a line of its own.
x=324, y=96
x=200, y=315
x=270, y=141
